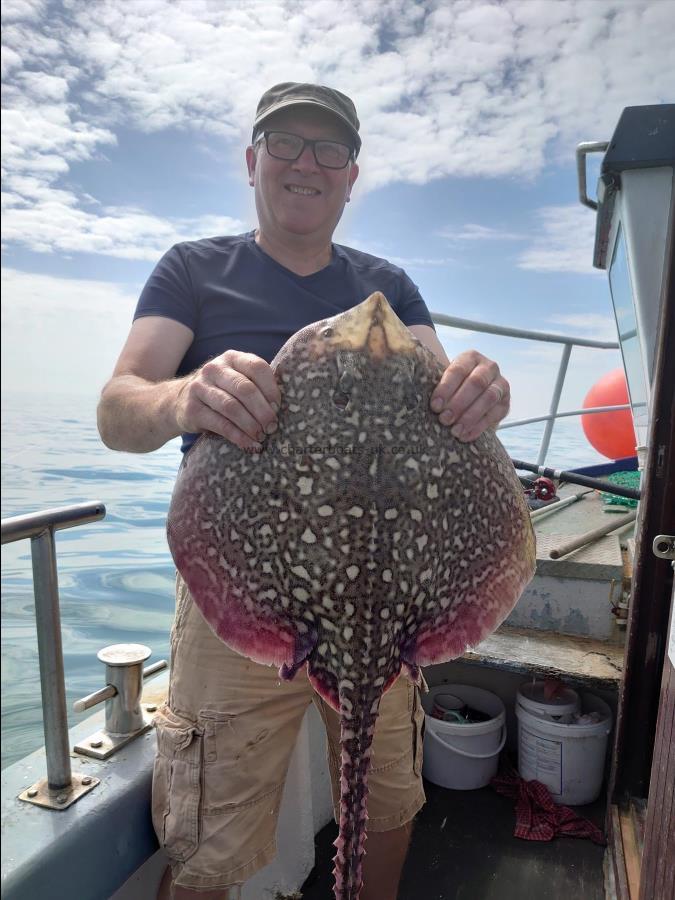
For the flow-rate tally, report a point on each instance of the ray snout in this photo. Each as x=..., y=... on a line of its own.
x=373, y=326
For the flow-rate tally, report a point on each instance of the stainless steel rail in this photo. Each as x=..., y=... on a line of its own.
x=568, y=343
x=582, y=152
x=40, y=528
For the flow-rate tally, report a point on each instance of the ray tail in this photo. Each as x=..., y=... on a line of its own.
x=357, y=725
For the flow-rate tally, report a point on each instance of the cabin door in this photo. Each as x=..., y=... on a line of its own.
x=641, y=818
x=657, y=874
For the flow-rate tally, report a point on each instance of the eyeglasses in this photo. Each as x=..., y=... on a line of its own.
x=329, y=154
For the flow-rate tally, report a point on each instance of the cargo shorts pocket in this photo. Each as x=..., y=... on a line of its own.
x=241, y=758
x=177, y=784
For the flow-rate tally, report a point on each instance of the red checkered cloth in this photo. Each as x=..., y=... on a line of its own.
x=538, y=817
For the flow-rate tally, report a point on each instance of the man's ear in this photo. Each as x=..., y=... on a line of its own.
x=353, y=175
x=250, y=164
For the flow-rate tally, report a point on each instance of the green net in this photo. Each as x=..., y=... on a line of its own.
x=625, y=479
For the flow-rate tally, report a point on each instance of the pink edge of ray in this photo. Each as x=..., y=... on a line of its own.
x=262, y=638
x=450, y=639
x=324, y=688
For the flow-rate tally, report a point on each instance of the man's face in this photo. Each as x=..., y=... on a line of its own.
x=300, y=197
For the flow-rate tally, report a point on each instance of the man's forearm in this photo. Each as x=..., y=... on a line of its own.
x=138, y=415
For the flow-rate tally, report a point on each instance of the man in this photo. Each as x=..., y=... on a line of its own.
x=210, y=319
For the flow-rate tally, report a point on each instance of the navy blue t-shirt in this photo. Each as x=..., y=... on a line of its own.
x=233, y=296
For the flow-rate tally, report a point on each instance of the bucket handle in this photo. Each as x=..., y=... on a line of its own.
x=464, y=752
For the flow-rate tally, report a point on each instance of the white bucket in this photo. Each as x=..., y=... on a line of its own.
x=463, y=756
x=561, y=708
x=568, y=758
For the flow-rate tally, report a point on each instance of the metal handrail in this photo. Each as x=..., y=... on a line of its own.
x=40, y=528
x=582, y=152
x=16, y=528
x=512, y=423
x=507, y=331
x=567, y=341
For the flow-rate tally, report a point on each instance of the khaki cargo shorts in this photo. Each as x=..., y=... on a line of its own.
x=225, y=738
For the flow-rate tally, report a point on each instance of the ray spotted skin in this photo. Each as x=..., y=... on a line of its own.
x=363, y=541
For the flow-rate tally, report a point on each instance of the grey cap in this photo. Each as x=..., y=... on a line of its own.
x=291, y=93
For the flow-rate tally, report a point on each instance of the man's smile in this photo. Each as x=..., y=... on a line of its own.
x=302, y=189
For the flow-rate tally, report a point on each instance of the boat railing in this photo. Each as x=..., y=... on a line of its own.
x=40, y=528
x=568, y=342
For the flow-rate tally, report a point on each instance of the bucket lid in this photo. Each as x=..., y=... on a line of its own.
x=547, y=726
x=531, y=696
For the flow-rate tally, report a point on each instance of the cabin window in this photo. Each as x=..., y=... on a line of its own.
x=624, y=311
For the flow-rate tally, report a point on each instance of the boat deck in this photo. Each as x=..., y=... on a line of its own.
x=463, y=848
x=552, y=527
x=563, y=625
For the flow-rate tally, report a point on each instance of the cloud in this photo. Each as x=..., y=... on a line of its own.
x=23, y=10
x=421, y=262
x=462, y=89
x=564, y=238
x=46, y=293
x=594, y=326
x=61, y=334
x=472, y=232
x=46, y=220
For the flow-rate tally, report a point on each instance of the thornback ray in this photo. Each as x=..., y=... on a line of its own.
x=363, y=540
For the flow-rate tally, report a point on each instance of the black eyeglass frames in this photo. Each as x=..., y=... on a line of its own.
x=329, y=154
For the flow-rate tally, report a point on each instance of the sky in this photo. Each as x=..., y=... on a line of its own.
x=124, y=126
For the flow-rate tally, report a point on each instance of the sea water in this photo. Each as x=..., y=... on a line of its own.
x=116, y=577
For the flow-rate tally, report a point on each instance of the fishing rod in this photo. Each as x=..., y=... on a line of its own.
x=551, y=508
x=576, y=478
x=589, y=536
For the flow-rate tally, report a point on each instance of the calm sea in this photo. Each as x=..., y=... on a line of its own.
x=115, y=576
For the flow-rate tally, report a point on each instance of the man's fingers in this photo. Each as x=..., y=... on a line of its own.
x=492, y=404
x=471, y=395
x=235, y=396
x=463, y=381
x=450, y=380
x=214, y=422
x=480, y=416
x=470, y=433
x=229, y=408
x=259, y=373
x=254, y=396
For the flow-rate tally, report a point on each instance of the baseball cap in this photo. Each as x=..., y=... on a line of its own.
x=292, y=93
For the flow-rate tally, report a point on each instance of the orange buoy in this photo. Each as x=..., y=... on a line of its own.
x=611, y=433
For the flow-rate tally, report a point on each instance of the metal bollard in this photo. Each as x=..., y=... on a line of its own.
x=124, y=715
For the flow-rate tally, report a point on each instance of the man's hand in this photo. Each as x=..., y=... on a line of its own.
x=471, y=396
x=234, y=395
